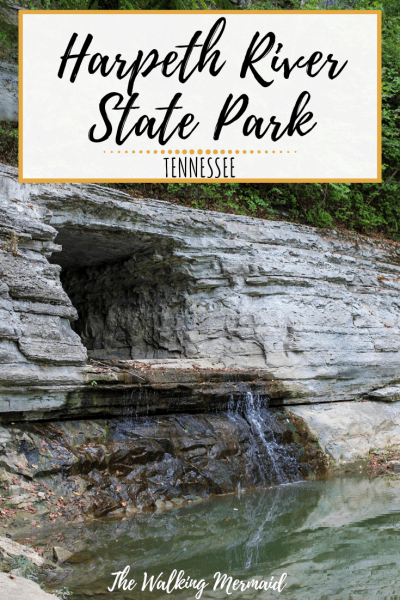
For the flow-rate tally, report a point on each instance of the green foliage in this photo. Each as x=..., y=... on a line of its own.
x=368, y=208
x=128, y=4
x=174, y=4
x=226, y=197
x=8, y=31
x=9, y=143
x=365, y=207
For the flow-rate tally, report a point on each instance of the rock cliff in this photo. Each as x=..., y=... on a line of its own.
x=8, y=92
x=88, y=269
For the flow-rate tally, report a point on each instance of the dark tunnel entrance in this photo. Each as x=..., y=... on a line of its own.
x=129, y=294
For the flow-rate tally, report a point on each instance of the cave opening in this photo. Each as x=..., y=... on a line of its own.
x=129, y=295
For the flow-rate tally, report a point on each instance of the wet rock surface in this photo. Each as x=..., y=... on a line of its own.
x=77, y=469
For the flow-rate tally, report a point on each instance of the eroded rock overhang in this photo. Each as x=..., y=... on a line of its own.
x=304, y=316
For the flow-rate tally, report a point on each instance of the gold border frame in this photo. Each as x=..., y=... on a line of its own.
x=378, y=13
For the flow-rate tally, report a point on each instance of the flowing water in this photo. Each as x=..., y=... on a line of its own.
x=336, y=540
x=271, y=459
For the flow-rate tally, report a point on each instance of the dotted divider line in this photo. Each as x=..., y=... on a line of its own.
x=200, y=151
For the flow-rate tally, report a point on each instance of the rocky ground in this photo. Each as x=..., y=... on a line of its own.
x=20, y=568
x=384, y=462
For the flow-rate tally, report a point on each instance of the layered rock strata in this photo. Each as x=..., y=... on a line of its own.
x=317, y=314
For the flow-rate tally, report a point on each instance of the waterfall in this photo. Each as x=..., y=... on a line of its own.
x=269, y=460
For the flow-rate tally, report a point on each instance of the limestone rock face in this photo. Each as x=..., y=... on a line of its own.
x=386, y=394
x=150, y=280
x=37, y=346
x=349, y=430
x=8, y=92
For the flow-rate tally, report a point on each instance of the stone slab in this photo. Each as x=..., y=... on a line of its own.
x=350, y=430
x=386, y=394
x=19, y=588
x=9, y=548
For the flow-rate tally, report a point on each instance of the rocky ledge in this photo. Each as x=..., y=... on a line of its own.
x=309, y=316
